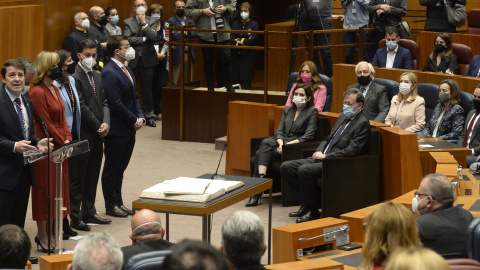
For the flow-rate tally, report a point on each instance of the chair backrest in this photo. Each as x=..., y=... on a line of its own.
x=467, y=102
x=429, y=92
x=147, y=261
x=292, y=78
x=408, y=44
x=392, y=87
x=464, y=57
x=463, y=264
x=323, y=128
x=472, y=239
x=473, y=19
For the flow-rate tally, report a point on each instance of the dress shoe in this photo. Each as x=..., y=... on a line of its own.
x=81, y=226
x=151, y=123
x=96, y=219
x=302, y=211
x=40, y=246
x=66, y=228
x=33, y=260
x=126, y=210
x=254, y=200
x=311, y=214
x=116, y=212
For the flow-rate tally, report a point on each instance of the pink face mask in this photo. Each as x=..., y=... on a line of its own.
x=306, y=77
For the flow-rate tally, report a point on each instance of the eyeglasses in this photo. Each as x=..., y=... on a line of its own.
x=420, y=194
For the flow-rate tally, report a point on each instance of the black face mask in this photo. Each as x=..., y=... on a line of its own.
x=55, y=73
x=476, y=105
x=71, y=68
x=103, y=21
x=364, y=80
x=180, y=12
x=439, y=48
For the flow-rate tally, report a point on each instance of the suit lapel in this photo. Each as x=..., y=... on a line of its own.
x=370, y=91
x=87, y=80
x=299, y=121
x=11, y=110
x=475, y=127
x=384, y=55
x=66, y=97
x=122, y=74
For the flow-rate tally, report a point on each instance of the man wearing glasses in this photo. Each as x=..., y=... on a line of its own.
x=441, y=226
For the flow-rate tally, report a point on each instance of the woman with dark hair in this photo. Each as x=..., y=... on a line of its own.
x=160, y=78
x=298, y=124
x=309, y=74
x=442, y=59
x=112, y=17
x=448, y=116
x=243, y=61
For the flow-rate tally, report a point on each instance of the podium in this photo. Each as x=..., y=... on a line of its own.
x=58, y=156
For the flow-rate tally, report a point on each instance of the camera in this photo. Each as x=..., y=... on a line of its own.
x=218, y=19
x=383, y=17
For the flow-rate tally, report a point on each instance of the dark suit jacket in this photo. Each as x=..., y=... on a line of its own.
x=175, y=36
x=303, y=128
x=475, y=142
x=122, y=99
x=474, y=66
x=143, y=50
x=144, y=246
x=11, y=164
x=94, y=107
x=376, y=102
x=444, y=229
x=353, y=139
x=403, y=58
x=447, y=63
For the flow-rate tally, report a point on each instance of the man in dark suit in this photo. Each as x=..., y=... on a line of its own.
x=393, y=55
x=376, y=104
x=95, y=126
x=348, y=138
x=441, y=226
x=141, y=34
x=147, y=235
x=470, y=137
x=474, y=67
x=126, y=118
x=17, y=136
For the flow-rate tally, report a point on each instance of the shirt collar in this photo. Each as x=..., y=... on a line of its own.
x=84, y=68
x=12, y=96
x=120, y=64
x=247, y=20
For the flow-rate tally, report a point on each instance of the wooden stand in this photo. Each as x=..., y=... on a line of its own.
x=313, y=264
x=55, y=262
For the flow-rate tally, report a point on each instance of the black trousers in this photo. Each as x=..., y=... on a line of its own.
x=14, y=203
x=224, y=59
x=118, y=151
x=320, y=40
x=83, y=186
x=146, y=77
x=160, y=80
x=266, y=154
x=301, y=177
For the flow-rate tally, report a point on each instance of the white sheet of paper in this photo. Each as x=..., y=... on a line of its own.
x=426, y=145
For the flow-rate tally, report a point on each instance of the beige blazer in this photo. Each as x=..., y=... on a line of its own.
x=408, y=114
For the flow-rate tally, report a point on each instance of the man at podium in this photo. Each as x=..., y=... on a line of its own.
x=347, y=139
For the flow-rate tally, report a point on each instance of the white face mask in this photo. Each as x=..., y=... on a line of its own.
x=86, y=24
x=141, y=10
x=415, y=204
x=404, y=88
x=25, y=89
x=299, y=101
x=89, y=62
x=244, y=15
x=129, y=54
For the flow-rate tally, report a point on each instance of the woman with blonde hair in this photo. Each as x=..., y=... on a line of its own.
x=48, y=103
x=389, y=226
x=408, y=108
x=416, y=258
x=309, y=75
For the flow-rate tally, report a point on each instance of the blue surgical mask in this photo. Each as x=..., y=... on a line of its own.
x=114, y=19
x=156, y=17
x=349, y=111
x=391, y=45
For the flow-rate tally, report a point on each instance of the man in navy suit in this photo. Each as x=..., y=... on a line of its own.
x=393, y=55
x=17, y=136
x=126, y=117
x=474, y=68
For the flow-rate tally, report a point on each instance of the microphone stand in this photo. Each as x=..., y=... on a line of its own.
x=215, y=175
x=49, y=227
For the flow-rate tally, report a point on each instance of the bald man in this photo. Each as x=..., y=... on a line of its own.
x=147, y=235
x=98, y=20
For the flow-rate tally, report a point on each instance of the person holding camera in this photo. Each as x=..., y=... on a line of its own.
x=437, y=19
x=386, y=14
x=356, y=16
x=213, y=14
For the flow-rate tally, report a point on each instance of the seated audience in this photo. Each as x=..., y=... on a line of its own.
x=388, y=227
x=376, y=100
x=416, y=258
x=469, y=137
x=408, y=108
x=14, y=247
x=309, y=74
x=348, y=137
x=442, y=59
x=393, y=55
x=298, y=124
x=96, y=251
x=448, y=116
x=474, y=67
x=194, y=255
x=243, y=240
x=441, y=226
x=147, y=234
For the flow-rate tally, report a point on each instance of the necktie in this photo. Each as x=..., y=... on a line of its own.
x=469, y=129
x=90, y=78
x=18, y=103
x=363, y=90
x=337, y=136
x=124, y=68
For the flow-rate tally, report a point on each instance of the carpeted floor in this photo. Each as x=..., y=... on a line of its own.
x=155, y=160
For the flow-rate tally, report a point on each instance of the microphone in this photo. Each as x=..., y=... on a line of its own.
x=43, y=125
x=215, y=176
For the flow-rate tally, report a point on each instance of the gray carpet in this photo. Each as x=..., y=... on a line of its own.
x=155, y=160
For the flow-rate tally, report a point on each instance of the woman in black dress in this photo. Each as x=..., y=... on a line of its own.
x=442, y=59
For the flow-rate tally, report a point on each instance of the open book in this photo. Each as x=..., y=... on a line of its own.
x=190, y=189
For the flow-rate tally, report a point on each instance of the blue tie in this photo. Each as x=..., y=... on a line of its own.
x=337, y=136
x=18, y=103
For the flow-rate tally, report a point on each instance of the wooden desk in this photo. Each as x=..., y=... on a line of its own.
x=428, y=163
x=314, y=264
x=55, y=262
